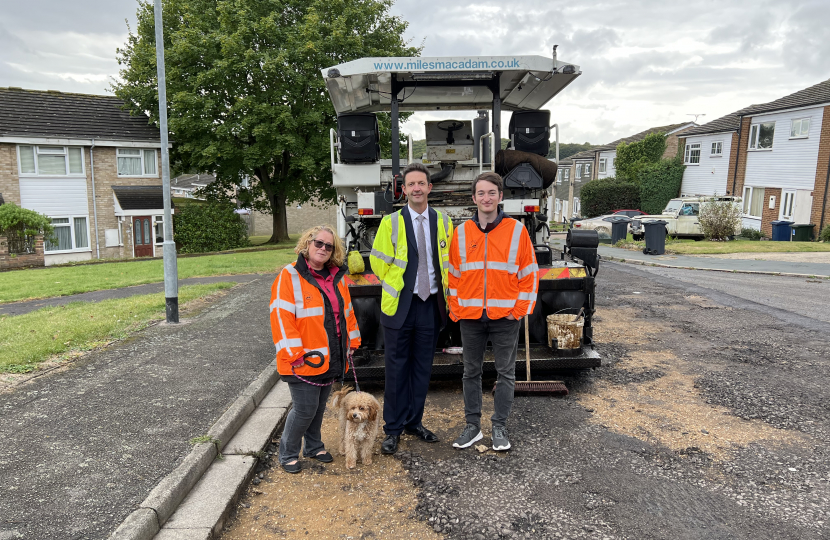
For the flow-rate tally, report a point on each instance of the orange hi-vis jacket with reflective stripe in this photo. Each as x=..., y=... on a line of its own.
x=495, y=270
x=298, y=322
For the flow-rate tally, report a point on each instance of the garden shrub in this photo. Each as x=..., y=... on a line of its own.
x=605, y=195
x=719, y=219
x=632, y=158
x=824, y=236
x=751, y=234
x=199, y=228
x=659, y=183
x=21, y=225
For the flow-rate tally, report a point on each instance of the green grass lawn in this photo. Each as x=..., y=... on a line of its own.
x=66, y=280
x=27, y=340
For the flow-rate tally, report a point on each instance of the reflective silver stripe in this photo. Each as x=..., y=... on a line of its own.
x=354, y=334
x=478, y=265
x=288, y=343
x=506, y=267
x=529, y=269
x=348, y=309
x=385, y=258
x=453, y=271
x=514, y=245
x=453, y=292
x=279, y=320
x=298, y=289
x=470, y=302
x=310, y=312
x=443, y=218
x=527, y=296
x=400, y=264
x=493, y=302
x=462, y=244
x=282, y=304
x=322, y=350
x=394, y=222
x=390, y=290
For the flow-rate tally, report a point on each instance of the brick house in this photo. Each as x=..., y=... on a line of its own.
x=782, y=168
x=574, y=171
x=88, y=165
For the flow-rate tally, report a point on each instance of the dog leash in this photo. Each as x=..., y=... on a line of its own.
x=322, y=359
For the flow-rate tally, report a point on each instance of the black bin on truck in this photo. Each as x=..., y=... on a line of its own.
x=655, y=232
x=619, y=227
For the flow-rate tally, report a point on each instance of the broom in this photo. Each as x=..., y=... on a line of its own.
x=537, y=387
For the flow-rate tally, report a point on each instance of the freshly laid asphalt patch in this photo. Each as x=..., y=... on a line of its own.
x=21, y=308
x=84, y=446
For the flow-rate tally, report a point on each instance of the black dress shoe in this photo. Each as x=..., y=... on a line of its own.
x=390, y=444
x=422, y=433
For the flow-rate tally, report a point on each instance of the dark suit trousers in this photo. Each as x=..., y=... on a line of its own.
x=408, y=355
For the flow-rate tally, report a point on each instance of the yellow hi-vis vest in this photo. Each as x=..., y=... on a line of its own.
x=389, y=255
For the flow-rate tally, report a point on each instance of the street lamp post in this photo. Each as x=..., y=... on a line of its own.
x=171, y=278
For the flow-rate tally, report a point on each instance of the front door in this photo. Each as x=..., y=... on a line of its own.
x=143, y=236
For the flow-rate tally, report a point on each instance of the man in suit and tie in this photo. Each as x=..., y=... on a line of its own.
x=410, y=256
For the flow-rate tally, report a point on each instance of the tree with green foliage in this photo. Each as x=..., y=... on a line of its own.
x=633, y=157
x=603, y=196
x=659, y=183
x=21, y=224
x=245, y=93
x=214, y=226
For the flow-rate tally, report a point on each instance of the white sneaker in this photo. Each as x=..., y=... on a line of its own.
x=500, y=441
x=471, y=434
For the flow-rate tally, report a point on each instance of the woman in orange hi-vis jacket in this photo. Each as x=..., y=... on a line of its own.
x=493, y=279
x=314, y=329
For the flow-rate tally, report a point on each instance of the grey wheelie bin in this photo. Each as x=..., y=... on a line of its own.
x=655, y=232
x=619, y=227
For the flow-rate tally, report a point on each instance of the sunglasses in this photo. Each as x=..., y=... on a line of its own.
x=319, y=244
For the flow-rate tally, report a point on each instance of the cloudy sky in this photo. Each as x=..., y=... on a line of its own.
x=644, y=63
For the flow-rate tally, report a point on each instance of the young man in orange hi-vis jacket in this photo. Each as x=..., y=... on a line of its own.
x=493, y=283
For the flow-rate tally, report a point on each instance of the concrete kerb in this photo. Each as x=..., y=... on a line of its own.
x=146, y=521
x=730, y=271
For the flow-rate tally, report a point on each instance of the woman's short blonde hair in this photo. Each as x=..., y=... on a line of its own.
x=337, y=256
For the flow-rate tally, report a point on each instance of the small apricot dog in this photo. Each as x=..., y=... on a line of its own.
x=359, y=422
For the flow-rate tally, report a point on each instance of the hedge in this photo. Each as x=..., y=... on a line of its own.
x=23, y=221
x=659, y=183
x=199, y=228
x=634, y=157
x=605, y=195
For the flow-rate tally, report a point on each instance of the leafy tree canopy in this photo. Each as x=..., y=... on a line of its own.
x=245, y=96
x=631, y=158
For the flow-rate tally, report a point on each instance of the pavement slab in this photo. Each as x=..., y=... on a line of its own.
x=83, y=446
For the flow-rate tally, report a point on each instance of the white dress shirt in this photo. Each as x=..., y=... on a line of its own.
x=433, y=285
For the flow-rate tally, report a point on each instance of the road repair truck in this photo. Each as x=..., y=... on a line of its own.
x=459, y=148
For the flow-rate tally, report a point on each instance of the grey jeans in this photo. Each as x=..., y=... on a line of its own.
x=504, y=335
x=304, y=421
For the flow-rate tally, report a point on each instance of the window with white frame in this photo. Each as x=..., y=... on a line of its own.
x=692, y=155
x=566, y=176
x=800, y=128
x=753, y=201
x=717, y=149
x=159, y=229
x=578, y=171
x=602, y=165
x=559, y=176
x=50, y=160
x=576, y=206
x=71, y=234
x=761, y=135
x=587, y=170
x=136, y=162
